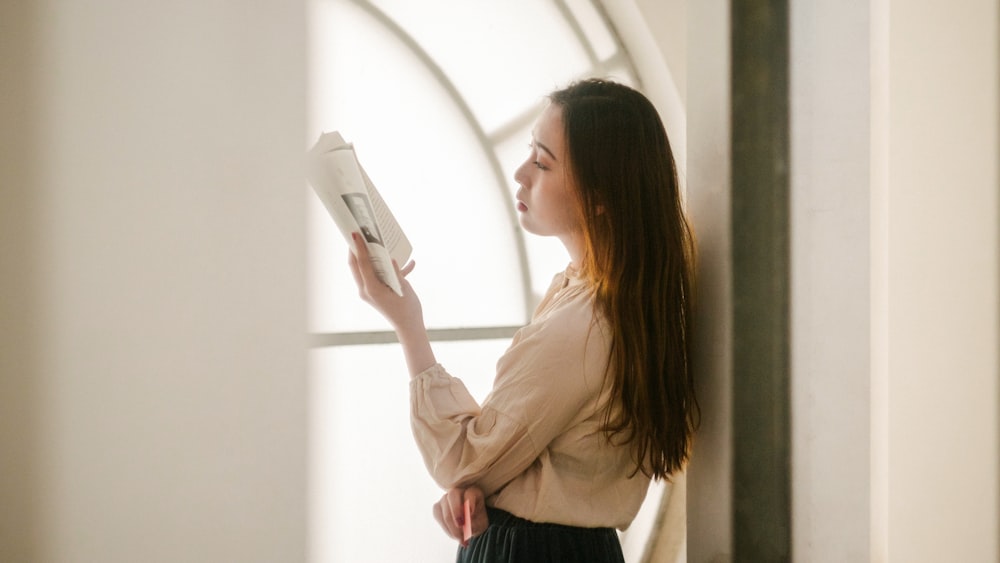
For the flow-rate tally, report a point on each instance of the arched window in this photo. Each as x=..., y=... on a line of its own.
x=438, y=97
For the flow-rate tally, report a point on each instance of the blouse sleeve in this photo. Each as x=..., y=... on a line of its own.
x=550, y=376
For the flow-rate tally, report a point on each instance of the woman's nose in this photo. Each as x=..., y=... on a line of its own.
x=520, y=175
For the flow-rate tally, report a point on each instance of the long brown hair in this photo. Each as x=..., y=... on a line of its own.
x=638, y=257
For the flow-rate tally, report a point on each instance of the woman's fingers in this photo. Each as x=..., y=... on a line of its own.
x=477, y=510
x=364, y=273
x=352, y=260
x=361, y=264
x=406, y=269
x=453, y=498
x=461, y=513
x=443, y=514
x=455, y=514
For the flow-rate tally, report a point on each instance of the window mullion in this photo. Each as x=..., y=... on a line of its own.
x=323, y=340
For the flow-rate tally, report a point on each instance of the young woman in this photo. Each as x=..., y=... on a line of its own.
x=595, y=396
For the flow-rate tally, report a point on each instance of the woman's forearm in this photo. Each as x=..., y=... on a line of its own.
x=403, y=312
x=416, y=346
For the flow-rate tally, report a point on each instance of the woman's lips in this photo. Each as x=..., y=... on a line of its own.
x=521, y=206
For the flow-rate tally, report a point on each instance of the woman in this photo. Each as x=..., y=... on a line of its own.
x=595, y=396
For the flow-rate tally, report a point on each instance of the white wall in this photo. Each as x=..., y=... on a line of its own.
x=709, y=161
x=667, y=21
x=831, y=114
x=152, y=402
x=943, y=307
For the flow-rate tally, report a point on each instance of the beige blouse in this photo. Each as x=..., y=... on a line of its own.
x=535, y=446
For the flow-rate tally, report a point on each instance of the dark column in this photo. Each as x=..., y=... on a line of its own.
x=760, y=231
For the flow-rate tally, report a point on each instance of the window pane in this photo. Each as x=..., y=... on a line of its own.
x=431, y=169
x=368, y=481
x=502, y=54
x=594, y=27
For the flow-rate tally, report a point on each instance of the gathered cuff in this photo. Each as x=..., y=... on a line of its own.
x=435, y=371
x=437, y=396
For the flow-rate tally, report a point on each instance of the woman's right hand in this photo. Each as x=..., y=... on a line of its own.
x=450, y=513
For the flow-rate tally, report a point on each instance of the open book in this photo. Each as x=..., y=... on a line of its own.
x=356, y=207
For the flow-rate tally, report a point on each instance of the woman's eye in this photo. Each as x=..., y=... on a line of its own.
x=538, y=164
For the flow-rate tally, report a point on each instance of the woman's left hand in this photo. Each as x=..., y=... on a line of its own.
x=450, y=513
x=404, y=312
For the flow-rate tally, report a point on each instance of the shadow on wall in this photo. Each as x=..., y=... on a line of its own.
x=20, y=271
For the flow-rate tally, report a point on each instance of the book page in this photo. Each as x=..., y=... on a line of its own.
x=395, y=241
x=356, y=206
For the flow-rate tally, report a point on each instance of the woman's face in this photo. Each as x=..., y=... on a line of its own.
x=546, y=200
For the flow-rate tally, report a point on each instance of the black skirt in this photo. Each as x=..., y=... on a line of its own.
x=510, y=539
